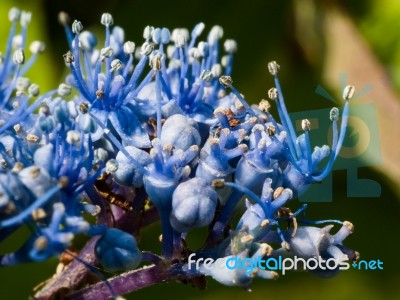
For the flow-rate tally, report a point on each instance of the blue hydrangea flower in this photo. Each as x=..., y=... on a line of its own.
x=158, y=131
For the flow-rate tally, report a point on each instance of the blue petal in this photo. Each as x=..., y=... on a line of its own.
x=129, y=128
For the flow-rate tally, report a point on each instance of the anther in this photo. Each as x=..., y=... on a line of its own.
x=3, y=164
x=106, y=52
x=32, y=138
x=34, y=172
x=73, y=137
x=226, y=80
x=218, y=183
x=349, y=225
x=278, y=192
x=63, y=18
x=264, y=223
x=264, y=105
x=63, y=181
x=206, y=75
x=334, y=114
x=68, y=57
x=305, y=125
x=99, y=94
x=129, y=47
x=37, y=47
x=64, y=90
x=107, y=19
x=38, y=214
x=77, y=27
x=84, y=107
x=19, y=57
x=146, y=48
x=271, y=130
x=18, y=166
x=111, y=166
x=247, y=239
x=33, y=90
x=348, y=92
x=156, y=62
x=41, y=243
x=273, y=94
x=273, y=68
x=14, y=14
x=116, y=65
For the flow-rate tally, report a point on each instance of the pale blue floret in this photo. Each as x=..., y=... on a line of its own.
x=118, y=250
x=193, y=205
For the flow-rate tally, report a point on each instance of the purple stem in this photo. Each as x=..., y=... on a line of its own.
x=130, y=282
x=73, y=276
x=76, y=274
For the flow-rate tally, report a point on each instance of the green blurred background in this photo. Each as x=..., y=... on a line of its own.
x=314, y=42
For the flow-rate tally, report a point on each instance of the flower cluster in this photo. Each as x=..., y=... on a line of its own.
x=148, y=132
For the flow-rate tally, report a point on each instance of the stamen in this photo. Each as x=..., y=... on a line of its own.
x=32, y=138
x=77, y=27
x=273, y=94
x=107, y=19
x=348, y=92
x=226, y=81
x=264, y=105
x=273, y=68
x=64, y=90
x=19, y=57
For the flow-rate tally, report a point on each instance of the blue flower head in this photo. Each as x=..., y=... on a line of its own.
x=155, y=131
